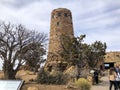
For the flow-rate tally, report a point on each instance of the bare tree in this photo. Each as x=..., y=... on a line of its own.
x=13, y=42
x=34, y=55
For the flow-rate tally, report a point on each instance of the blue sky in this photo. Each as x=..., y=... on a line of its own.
x=98, y=19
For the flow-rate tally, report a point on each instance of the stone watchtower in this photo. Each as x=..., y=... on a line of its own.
x=61, y=24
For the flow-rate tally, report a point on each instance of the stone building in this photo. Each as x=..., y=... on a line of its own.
x=112, y=59
x=61, y=24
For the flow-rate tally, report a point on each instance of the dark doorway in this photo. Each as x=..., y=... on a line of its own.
x=108, y=65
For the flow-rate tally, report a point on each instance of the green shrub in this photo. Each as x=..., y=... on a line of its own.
x=42, y=78
x=83, y=84
x=47, y=78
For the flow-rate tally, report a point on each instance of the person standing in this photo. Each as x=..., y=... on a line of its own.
x=112, y=79
x=118, y=77
x=117, y=68
x=96, y=76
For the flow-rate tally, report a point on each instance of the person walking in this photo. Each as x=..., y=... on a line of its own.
x=112, y=79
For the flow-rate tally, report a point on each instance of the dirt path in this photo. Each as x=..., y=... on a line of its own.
x=104, y=85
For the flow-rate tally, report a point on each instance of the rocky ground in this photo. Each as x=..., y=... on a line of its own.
x=27, y=76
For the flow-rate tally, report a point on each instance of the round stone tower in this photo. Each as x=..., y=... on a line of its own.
x=61, y=24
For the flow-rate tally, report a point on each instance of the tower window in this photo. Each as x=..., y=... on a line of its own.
x=65, y=14
x=59, y=14
x=58, y=23
x=117, y=55
x=70, y=16
x=54, y=16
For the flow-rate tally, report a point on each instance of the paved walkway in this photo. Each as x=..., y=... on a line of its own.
x=104, y=85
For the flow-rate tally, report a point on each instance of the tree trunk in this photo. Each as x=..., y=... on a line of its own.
x=9, y=73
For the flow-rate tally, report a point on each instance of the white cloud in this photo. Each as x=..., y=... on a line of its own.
x=98, y=19
x=111, y=37
x=7, y=1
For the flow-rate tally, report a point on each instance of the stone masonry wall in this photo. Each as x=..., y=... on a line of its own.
x=61, y=24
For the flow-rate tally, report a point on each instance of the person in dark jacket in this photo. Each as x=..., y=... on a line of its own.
x=96, y=77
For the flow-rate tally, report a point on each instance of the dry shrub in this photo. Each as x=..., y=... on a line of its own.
x=83, y=84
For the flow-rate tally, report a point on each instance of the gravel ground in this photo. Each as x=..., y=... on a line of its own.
x=104, y=85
